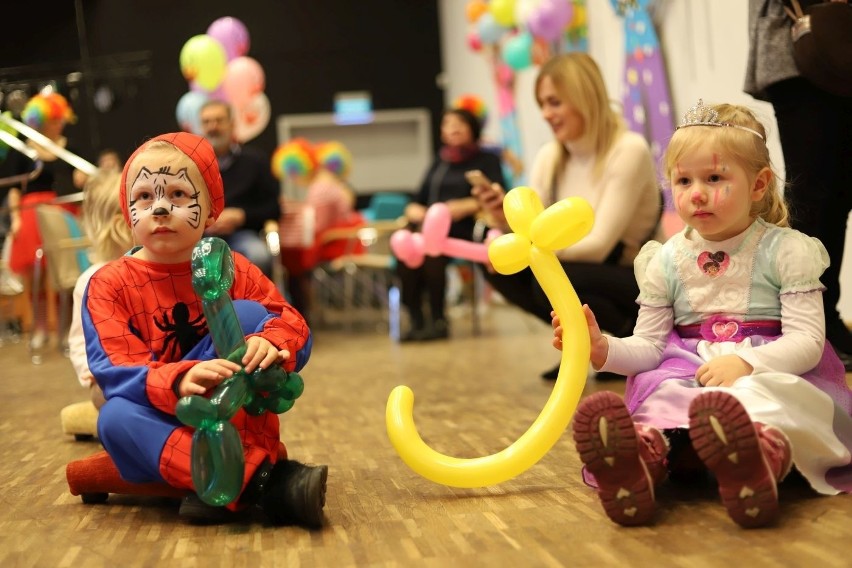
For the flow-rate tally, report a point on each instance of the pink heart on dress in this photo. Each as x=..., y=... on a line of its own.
x=713, y=264
x=725, y=330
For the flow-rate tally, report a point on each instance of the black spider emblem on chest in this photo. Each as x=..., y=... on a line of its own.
x=182, y=334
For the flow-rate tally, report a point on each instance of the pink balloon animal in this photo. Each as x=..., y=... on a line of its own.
x=433, y=240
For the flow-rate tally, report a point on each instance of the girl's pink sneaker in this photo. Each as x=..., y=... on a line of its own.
x=625, y=460
x=748, y=459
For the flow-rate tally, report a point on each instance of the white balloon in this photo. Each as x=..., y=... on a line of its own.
x=252, y=118
x=524, y=9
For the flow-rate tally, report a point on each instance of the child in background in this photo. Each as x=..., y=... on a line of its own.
x=323, y=169
x=103, y=222
x=148, y=343
x=47, y=112
x=730, y=343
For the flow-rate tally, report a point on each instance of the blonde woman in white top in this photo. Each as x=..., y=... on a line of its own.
x=593, y=156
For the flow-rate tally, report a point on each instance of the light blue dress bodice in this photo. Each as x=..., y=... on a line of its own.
x=741, y=278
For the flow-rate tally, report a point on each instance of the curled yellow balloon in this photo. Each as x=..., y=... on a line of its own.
x=537, y=234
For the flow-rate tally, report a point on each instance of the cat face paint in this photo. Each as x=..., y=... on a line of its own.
x=167, y=206
x=164, y=193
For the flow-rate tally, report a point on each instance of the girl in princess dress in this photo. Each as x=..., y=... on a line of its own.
x=728, y=360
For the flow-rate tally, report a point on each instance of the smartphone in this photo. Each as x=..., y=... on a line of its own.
x=477, y=179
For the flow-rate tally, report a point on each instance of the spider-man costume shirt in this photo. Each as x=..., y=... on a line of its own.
x=144, y=328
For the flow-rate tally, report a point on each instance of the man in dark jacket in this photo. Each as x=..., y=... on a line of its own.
x=251, y=192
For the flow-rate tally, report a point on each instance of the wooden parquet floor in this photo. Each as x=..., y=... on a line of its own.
x=473, y=396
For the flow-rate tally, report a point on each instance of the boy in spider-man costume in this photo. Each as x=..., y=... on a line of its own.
x=148, y=344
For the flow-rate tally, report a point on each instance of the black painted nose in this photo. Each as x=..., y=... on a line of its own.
x=161, y=211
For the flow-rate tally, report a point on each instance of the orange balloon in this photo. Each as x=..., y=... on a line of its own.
x=540, y=51
x=475, y=9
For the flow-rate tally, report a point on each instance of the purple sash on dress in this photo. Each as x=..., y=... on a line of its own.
x=719, y=328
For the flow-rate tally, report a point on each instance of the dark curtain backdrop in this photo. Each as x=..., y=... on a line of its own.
x=309, y=50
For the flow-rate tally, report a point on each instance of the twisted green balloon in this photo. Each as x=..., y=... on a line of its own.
x=217, y=461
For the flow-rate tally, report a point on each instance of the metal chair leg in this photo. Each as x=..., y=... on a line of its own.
x=36, y=347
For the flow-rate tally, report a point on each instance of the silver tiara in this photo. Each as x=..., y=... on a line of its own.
x=701, y=115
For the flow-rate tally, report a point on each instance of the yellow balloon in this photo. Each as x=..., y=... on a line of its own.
x=203, y=60
x=507, y=255
x=578, y=19
x=503, y=12
x=563, y=224
x=521, y=206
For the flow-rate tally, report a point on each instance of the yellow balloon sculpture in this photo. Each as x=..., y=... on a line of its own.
x=537, y=234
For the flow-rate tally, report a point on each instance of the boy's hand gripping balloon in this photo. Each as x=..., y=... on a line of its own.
x=217, y=461
x=537, y=233
x=433, y=240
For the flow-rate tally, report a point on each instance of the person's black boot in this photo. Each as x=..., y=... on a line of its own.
x=197, y=512
x=414, y=334
x=551, y=374
x=295, y=494
x=438, y=329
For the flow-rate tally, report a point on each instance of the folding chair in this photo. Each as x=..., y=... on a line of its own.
x=361, y=277
x=64, y=249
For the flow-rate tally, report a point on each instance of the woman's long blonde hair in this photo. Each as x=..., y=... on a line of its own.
x=742, y=146
x=578, y=80
x=103, y=220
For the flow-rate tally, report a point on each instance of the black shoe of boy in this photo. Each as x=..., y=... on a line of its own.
x=295, y=494
x=551, y=374
x=197, y=512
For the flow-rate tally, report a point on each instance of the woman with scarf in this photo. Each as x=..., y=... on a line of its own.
x=446, y=182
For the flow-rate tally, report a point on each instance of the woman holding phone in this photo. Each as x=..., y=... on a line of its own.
x=593, y=156
x=446, y=182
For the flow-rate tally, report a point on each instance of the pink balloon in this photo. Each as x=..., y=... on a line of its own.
x=232, y=34
x=436, y=227
x=460, y=248
x=473, y=41
x=411, y=248
x=244, y=78
x=407, y=247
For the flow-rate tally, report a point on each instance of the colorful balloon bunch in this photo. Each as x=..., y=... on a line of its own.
x=217, y=462
x=525, y=31
x=217, y=68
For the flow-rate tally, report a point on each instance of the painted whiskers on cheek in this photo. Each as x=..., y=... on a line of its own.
x=166, y=186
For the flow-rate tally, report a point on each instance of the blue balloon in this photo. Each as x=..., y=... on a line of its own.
x=188, y=111
x=490, y=31
x=517, y=51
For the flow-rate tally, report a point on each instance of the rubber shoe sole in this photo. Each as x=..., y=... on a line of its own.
x=726, y=440
x=606, y=440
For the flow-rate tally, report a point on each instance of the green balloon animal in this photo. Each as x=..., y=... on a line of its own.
x=217, y=461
